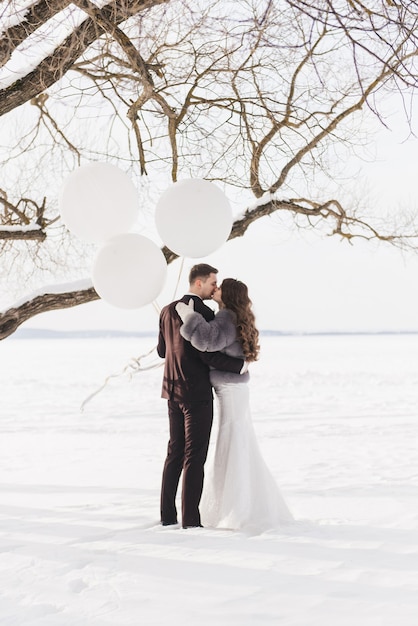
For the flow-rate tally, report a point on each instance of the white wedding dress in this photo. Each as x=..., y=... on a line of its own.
x=239, y=491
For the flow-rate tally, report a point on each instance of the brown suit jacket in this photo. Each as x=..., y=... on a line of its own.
x=186, y=370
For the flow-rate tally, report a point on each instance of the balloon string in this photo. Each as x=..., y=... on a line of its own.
x=133, y=367
x=179, y=277
x=155, y=303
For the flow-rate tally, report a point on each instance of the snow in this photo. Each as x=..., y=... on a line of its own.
x=38, y=45
x=76, y=285
x=19, y=229
x=336, y=418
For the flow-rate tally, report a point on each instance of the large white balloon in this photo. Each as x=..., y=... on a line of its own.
x=98, y=201
x=129, y=271
x=193, y=217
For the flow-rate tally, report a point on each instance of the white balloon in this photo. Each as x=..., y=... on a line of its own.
x=129, y=271
x=98, y=201
x=193, y=217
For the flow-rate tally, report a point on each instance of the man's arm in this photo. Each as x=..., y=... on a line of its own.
x=221, y=361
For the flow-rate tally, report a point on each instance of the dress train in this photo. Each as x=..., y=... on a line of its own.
x=239, y=490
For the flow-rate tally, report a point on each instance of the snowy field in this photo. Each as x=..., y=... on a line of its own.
x=337, y=421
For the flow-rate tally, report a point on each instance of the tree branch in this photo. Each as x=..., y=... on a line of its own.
x=10, y=320
x=35, y=16
x=21, y=234
x=51, y=69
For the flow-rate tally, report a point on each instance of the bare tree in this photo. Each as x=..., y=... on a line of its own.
x=259, y=97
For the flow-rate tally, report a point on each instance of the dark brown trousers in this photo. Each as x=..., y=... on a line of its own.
x=190, y=426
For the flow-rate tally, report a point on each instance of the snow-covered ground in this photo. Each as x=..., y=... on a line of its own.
x=337, y=421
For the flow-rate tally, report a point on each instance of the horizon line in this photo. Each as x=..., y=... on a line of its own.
x=45, y=333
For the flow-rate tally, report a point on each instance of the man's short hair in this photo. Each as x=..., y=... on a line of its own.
x=201, y=270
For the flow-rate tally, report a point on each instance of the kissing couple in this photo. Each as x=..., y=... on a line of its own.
x=205, y=352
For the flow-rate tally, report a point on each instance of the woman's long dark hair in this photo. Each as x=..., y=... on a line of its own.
x=235, y=298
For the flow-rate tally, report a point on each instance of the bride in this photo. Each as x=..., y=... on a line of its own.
x=239, y=491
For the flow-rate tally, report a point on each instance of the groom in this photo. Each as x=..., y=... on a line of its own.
x=187, y=388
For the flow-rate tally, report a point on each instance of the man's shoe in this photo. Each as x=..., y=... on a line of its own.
x=168, y=523
x=196, y=526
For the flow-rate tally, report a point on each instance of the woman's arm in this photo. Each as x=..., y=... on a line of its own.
x=207, y=336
